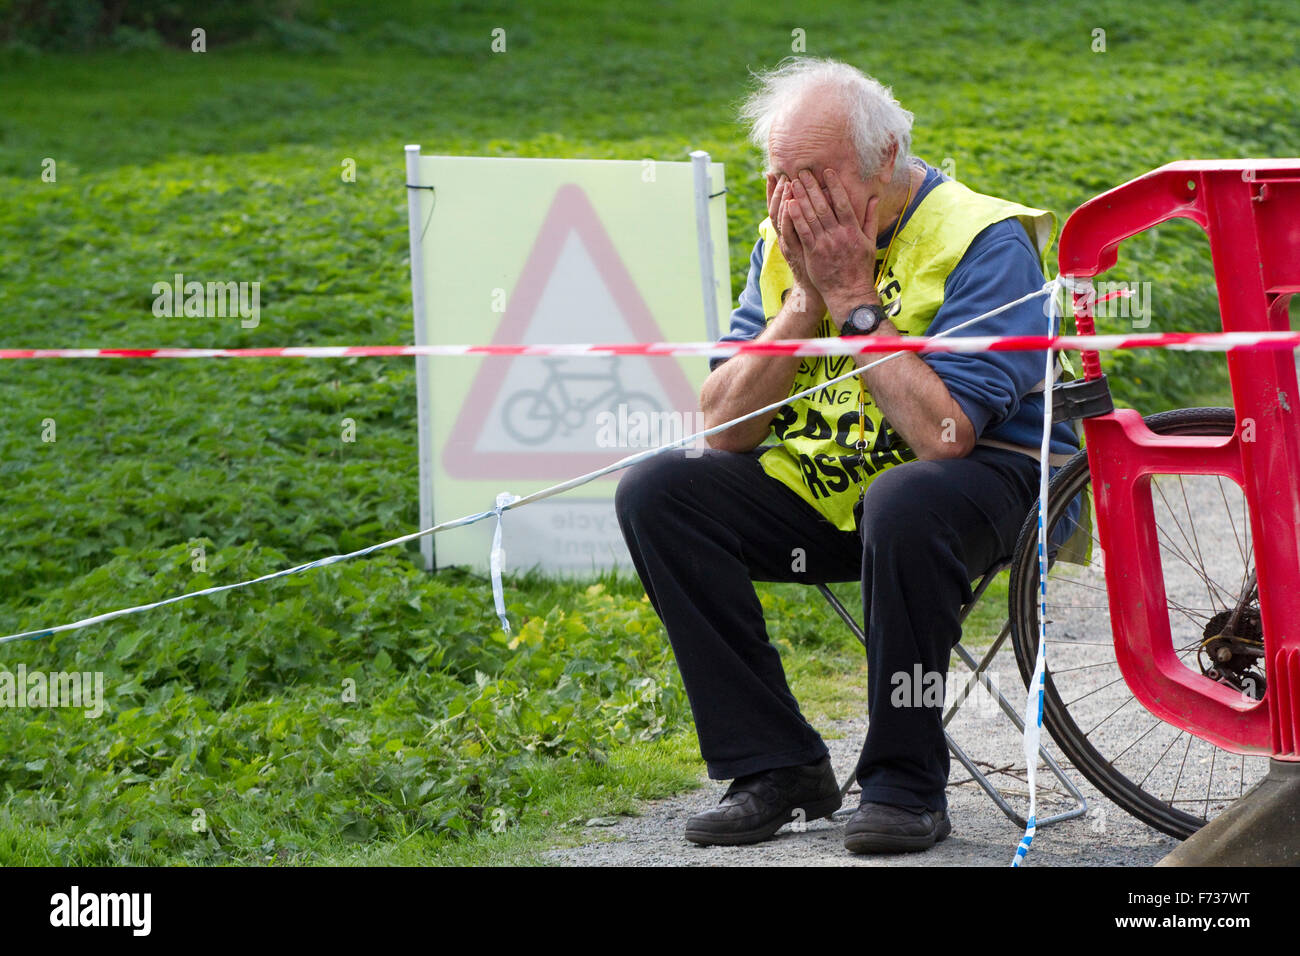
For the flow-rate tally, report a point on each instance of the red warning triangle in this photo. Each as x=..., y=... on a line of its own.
x=532, y=417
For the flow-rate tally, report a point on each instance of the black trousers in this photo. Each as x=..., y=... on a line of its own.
x=703, y=526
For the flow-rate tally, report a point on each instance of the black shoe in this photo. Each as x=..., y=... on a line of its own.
x=882, y=828
x=756, y=806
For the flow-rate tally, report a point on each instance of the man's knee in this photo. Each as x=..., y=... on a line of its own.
x=649, y=486
x=899, y=507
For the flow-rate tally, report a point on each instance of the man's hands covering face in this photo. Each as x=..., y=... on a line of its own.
x=831, y=256
x=779, y=206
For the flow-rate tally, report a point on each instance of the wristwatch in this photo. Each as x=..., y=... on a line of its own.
x=863, y=320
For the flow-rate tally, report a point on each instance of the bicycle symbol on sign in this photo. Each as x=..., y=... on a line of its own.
x=533, y=416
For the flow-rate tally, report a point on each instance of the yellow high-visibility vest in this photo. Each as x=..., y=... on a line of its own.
x=817, y=456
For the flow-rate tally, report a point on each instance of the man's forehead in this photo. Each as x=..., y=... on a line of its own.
x=809, y=140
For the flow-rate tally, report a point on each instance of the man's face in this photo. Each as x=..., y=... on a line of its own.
x=814, y=137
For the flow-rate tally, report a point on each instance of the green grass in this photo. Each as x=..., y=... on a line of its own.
x=226, y=165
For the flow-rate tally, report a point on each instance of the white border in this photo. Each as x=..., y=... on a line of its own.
x=423, y=397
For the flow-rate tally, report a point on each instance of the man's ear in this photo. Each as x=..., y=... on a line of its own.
x=771, y=186
x=887, y=171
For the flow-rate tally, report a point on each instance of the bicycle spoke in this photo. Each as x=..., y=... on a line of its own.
x=1177, y=524
x=1186, y=612
x=1134, y=742
x=1095, y=690
x=1236, y=537
x=1093, y=729
x=1214, y=752
x=1191, y=522
x=1077, y=583
x=1083, y=667
x=1195, y=568
x=1181, y=767
x=1142, y=782
x=1196, y=616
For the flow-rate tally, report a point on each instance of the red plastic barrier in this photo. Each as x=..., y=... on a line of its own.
x=1250, y=209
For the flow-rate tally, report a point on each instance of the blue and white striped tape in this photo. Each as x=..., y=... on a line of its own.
x=1034, y=697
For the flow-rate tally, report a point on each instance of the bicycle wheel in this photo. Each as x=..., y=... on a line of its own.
x=529, y=417
x=1159, y=773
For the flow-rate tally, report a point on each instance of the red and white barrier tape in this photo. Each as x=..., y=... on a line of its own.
x=1178, y=341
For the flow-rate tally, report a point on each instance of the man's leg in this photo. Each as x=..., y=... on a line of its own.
x=700, y=530
x=928, y=528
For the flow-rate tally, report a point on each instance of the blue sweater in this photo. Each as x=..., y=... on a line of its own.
x=1000, y=265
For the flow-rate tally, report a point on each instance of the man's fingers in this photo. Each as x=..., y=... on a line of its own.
x=840, y=199
x=798, y=219
x=791, y=246
x=806, y=210
x=814, y=193
x=774, y=203
x=785, y=231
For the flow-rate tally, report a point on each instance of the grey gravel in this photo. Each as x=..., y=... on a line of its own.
x=982, y=835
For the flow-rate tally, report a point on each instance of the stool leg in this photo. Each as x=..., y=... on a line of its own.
x=979, y=671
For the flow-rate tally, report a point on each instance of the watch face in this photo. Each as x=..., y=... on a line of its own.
x=863, y=320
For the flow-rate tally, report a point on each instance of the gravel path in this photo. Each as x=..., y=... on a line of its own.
x=982, y=835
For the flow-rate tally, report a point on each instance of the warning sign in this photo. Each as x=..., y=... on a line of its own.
x=555, y=251
x=541, y=417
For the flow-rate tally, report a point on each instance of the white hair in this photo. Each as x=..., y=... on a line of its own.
x=875, y=120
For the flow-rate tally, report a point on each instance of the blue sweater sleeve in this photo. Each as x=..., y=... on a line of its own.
x=999, y=266
x=748, y=320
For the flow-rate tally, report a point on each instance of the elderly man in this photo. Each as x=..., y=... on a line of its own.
x=914, y=483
